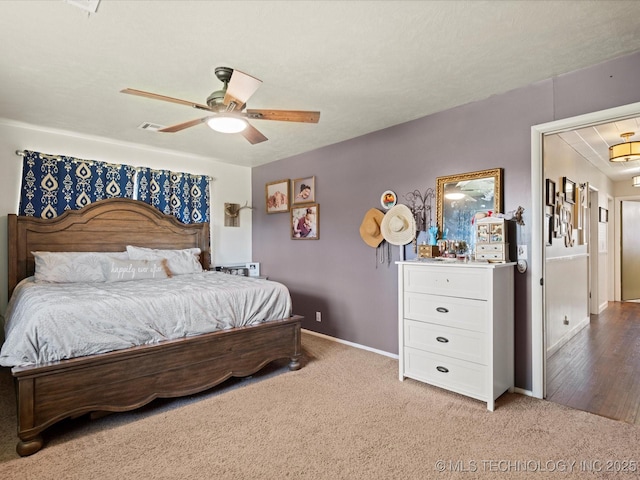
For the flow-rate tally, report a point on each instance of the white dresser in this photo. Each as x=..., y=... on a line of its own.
x=456, y=326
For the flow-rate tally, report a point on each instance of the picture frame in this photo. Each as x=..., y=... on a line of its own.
x=388, y=199
x=253, y=269
x=551, y=192
x=277, y=196
x=603, y=215
x=305, y=222
x=303, y=190
x=549, y=228
x=569, y=190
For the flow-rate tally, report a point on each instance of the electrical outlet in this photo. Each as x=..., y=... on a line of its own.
x=318, y=317
x=522, y=252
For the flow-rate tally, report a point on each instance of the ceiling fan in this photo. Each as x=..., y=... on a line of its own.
x=226, y=107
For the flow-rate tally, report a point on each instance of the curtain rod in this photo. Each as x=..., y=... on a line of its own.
x=22, y=153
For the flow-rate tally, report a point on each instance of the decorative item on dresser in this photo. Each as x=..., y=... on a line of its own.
x=456, y=329
x=491, y=239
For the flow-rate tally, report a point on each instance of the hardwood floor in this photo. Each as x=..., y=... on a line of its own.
x=598, y=370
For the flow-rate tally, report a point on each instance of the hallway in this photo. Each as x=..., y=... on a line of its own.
x=598, y=370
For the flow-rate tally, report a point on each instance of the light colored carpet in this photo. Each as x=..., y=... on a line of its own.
x=344, y=415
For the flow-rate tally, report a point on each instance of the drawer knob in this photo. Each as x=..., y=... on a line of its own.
x=442, y=310
x=442, y=369
x=442, y=339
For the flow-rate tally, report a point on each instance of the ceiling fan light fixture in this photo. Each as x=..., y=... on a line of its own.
x=227, y=124
x=626, y=151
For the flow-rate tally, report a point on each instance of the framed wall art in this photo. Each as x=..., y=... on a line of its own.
x=569, y=190
x=551, y=192
x=277, y=196
x=304, y=190
x=388, y=199
x=305, y=222
x=603, y=215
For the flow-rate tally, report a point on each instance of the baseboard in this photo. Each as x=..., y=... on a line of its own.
x=351, y=344
x=522, y=391
x=567, y=336
x=603, y=307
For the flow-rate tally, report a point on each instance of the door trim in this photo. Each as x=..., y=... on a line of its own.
x=537, y=230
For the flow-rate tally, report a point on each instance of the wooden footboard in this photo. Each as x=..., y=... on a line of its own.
x=127, y=379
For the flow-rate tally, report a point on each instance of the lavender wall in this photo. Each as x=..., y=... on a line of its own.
x=338, y=274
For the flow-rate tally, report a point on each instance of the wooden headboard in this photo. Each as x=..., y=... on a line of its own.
x=104, y=226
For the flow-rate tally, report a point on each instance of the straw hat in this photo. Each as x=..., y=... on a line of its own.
x=370, y=227
x=398, y=225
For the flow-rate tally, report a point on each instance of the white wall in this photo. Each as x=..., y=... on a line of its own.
x=230, y=183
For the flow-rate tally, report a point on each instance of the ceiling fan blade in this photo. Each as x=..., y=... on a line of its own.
x=284, y=115
x=164, y=98
x=241, y=87
x=252, y=134
x=182, y=126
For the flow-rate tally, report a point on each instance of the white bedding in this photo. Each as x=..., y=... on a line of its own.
x=47, y=322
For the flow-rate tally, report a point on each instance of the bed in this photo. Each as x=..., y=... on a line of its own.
x=129, y=378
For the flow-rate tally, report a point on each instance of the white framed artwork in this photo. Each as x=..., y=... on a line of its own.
x=254, y=269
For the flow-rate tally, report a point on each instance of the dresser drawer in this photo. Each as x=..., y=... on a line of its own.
x=452, y=342
x=463, y=377
x=448, y=311
x=490, y=256
x=489, y=248
x=449, y=281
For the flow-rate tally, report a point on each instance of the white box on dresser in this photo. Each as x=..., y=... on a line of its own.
x=456, y=325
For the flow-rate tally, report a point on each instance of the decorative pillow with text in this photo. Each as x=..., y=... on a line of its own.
x=125, y=270
x=180, y=262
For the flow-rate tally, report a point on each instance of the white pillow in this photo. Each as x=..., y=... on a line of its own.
x=73, y=267
x=180, y=262
x=123, y=270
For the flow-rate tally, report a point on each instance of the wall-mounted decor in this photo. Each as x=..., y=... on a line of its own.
x=277, y=196
x=603, y=215
x=232, y=213
x=388, y=199
x=304, y=190
x=460, y=197
x=551, y=192
x=548, y=226
x=569, y=190
x=305, y=222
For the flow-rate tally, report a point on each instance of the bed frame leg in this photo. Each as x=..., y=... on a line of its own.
x=30, y=446
x=294, y=364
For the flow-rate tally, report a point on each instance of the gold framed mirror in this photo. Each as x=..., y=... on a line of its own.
x=460, y=197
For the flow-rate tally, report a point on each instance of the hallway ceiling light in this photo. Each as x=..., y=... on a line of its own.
x=636, y=181
x=626, y=151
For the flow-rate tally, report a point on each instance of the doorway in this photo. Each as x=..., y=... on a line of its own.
x=580, y=357
x=629, y=250
x=538, y=269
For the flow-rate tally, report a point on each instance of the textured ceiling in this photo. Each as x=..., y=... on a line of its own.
x=365, y=65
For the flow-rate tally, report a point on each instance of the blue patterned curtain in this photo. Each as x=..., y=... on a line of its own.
x=52, y=184
x=182, y=195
